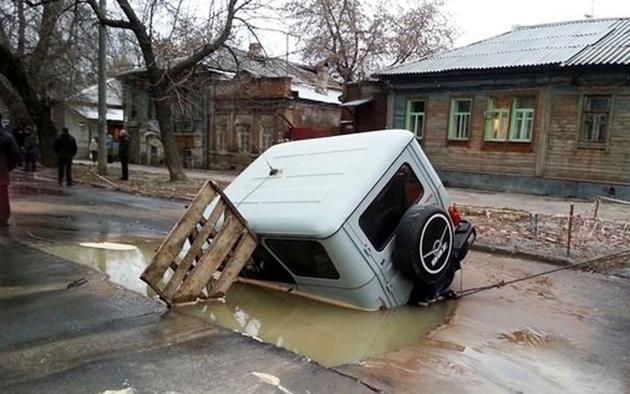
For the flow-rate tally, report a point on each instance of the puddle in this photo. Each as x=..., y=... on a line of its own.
x=122, y=262
x=325, y=333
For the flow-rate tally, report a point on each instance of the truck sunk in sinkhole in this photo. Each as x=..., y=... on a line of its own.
x=358, y=220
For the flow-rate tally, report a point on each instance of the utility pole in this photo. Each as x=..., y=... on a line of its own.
x=102, y=96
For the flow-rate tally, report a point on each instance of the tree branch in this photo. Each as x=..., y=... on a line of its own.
x=104, y=20
x=212, y=46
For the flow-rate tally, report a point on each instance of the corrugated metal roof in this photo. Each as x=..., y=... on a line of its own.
x=589, y=41
x=612, y=49
x=236, y=60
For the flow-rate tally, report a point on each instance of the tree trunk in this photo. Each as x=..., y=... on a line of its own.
x=47, y=134
x=38, y=109
x=164, y=116
x=14, y=103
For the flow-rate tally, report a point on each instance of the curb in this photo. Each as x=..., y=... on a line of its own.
x=560, y=261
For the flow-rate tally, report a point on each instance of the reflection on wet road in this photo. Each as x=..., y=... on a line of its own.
x=123, y=264
x=322, y=332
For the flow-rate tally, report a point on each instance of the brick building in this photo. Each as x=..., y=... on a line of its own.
x=236, y=105
x=542, y=109
x=364, y=106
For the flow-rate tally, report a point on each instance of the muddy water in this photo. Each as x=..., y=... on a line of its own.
x=328, y=334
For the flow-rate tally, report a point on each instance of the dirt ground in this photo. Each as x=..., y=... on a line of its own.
x=520, y=231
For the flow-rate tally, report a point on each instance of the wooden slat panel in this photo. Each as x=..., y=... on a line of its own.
x=173, y=242
x=228, y=202
x=211, y=260
x=233, y=266
x=195, y=250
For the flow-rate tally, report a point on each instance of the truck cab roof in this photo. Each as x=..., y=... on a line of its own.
x=309, y=188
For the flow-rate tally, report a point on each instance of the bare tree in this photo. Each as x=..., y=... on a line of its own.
x=356, y=39
x=46, y=49
x=163, y=71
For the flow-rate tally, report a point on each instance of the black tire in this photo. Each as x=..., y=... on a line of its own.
x=424, y=245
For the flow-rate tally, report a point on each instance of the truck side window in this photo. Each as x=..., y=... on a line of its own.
x=380, y=219
x=263, y=265
x=304, y=258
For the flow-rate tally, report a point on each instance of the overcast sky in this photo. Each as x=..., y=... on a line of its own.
x=480, y=19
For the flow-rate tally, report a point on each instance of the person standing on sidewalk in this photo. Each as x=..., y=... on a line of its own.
x=65, y=148
x=29, y=149
x=9, y=156
x=123, y=154
x=94, y=149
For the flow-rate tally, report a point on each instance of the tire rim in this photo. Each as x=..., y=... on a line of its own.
x=435, y=243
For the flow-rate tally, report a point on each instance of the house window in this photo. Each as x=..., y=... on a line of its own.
x=135, y=97
x=459, y=127
x=304, y=258
x=522, y=126
x=510, y=118
x=243, y=128
x=222, y=133
x=266, y=133
x=380, y=219
x=415, y=117
x=498, y=119
x=595, y=119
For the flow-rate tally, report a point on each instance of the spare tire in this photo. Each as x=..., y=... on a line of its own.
x=424, y=244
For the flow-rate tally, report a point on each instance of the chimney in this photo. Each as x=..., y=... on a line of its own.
x=322, y=78
x=255, y=51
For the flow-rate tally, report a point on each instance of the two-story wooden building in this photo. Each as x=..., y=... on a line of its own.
x=236, y=105
x=540, y=109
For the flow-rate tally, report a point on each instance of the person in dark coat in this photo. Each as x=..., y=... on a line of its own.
x=65, y=148
x=9, y=156
x=18, y=135
x=123, y=154
x=29, y=150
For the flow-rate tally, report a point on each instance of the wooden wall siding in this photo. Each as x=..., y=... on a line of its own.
x=463, y=157
x=565, y=159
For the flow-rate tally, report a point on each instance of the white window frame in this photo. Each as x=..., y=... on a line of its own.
x=261, y=131
x=455, y=130
x=239, y=136
x=585, y=112
x=222, y=146
x=522, y=133
x=409, y=115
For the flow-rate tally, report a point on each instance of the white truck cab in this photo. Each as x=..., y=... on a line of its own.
x=362, y=219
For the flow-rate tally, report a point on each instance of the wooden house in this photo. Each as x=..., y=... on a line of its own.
x=540, y=109
x=236, y=105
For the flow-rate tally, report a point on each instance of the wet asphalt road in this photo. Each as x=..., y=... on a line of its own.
x=98, y=336
x=563, y=333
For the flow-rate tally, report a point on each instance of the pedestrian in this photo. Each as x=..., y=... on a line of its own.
x=123, y=154
x=9, y=155
x=110, y=148
x=94, y=149
x=29, y=149
x=65, y=148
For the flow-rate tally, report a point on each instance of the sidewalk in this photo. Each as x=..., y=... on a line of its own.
x=66, y=328
x=218, y=176
x=469, y=197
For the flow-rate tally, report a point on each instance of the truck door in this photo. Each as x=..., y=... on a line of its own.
x=375, y=221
